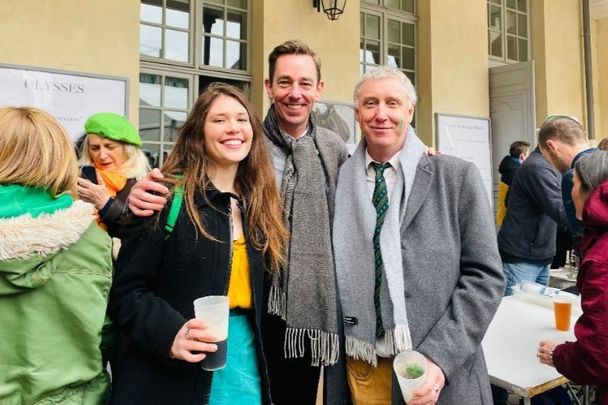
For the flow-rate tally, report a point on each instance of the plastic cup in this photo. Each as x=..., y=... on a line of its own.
x=213, y=310
x=405, y=364
x=563, y=311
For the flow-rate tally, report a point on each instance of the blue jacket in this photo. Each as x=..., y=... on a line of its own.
x=535, y=209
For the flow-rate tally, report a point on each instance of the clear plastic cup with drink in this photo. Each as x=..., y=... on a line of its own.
x=562, y=307
x=214, y=310
x=410, y=367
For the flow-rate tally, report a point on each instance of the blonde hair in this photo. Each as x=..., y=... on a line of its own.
x=135, y=167
x=35, y=150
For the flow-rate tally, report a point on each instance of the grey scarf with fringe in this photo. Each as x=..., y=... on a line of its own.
x=354, y=224
x=304, y=292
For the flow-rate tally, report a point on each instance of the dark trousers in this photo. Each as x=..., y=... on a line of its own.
x=292, y=381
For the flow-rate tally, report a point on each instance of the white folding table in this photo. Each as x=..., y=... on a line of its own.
x=510, y=346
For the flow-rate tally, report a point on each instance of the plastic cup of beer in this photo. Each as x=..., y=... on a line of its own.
x=563, y=312
x=410, y=367
x=214, y=310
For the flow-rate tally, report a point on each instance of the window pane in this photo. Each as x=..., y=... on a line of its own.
x=361, y=51
x=407, y=5
x=511, y=47
x=236, y=26
x=149, y=90
x=409, y=61
x=178, y=13
x=394, y=56
x=495, y=17
x=152, y=150
x=522, y=6
x=495, y=41
x=412, y=77
x=213, y=52
x=523, y=50
x=512, y=4
x=394, y=4
x=215, y=1
x=176, y=45
x=151, y=11
x=174, y=120
x=393, y=31
x=149, y=40
x=372, y=53
x=238, y=3
x=176, y=92
x=372, y=1
x=496, y=1
x=167, y=148
x=522, y=25
x=408, y=34
x=235, y=55
x=372, y=26
x=511, y=22
x=149, y=125
x=213, y=21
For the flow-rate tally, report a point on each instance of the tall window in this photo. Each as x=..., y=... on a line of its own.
x=508, y=30
x=184, y=46
x=388, y=35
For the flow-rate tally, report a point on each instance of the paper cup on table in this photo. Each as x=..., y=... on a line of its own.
x=410, y=367
x=213, y=310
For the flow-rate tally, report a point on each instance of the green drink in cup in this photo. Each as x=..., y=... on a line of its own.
x=410, y=367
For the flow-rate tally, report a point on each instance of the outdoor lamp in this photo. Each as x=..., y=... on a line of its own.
x=332, y=8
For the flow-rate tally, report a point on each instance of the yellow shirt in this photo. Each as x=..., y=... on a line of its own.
x=239, y=289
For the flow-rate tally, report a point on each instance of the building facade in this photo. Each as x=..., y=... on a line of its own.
x=514, y=61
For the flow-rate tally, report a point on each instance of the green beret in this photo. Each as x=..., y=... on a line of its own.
x=112, y=126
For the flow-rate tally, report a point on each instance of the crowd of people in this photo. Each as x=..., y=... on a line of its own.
x=333, y=264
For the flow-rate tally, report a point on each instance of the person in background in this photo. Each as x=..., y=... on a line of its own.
x=113, y=146
x=518, y=152
x=526, y=240
x=55, y=269
x=227, y=235
x=416, y=255
x=562, y=141
x=303, y=328
x=584, y=361
x=603, y=145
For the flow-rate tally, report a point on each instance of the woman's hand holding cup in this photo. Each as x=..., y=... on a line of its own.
x=190, y=342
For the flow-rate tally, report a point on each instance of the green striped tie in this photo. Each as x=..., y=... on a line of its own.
x=380, y=201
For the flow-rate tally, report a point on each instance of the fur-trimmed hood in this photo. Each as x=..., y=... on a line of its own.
x=28, y=245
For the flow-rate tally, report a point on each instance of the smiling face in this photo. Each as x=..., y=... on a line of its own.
x=105, y=153
x=384, y=113
x=294, y=90
x=228, y=132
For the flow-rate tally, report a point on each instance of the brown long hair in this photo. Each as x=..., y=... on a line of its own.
x=255, y=179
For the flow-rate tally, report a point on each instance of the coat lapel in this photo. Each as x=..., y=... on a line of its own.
x=420, y=189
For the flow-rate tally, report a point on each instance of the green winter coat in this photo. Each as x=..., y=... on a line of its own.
x=55, y=276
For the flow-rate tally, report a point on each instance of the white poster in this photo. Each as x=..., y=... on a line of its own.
x=70, y=97
x=469, y=139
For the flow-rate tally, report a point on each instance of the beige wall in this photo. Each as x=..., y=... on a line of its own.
x=452, y=62
x=86, y=36
x=600, y=77
x=557, y=49
x=336, y=43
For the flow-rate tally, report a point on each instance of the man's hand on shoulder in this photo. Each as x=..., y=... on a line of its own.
x=141, y=200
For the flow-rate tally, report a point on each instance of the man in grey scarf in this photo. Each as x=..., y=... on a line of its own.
x=303, y=328
x=417, y=262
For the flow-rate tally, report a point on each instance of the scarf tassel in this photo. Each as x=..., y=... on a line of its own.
x=396, y=340
x=277, y=302
x=323, y=345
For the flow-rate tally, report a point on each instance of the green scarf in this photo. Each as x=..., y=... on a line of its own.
x=16, y=200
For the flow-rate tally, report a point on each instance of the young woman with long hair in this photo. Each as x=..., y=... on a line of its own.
x=227, y=234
